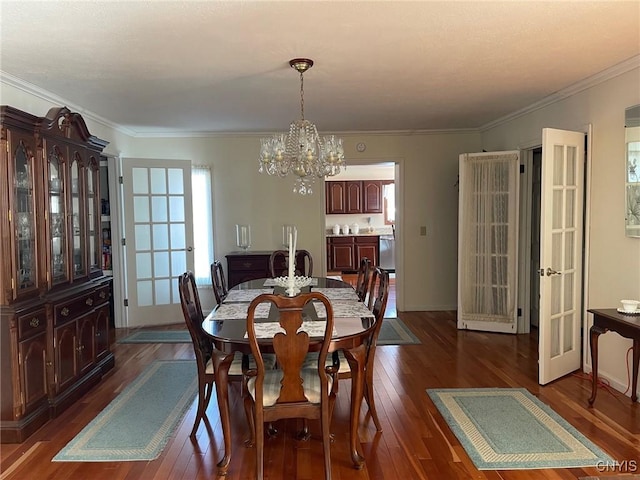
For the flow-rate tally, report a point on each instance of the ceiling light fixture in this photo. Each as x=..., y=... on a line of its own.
x=301, y=152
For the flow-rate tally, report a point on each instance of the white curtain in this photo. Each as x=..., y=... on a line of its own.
x=202, y=224
x=488, y=237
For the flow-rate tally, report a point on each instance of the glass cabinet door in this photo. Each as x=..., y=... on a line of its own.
x=57, y=219
x=78, y=226
x=93, y=215
x=24, y=224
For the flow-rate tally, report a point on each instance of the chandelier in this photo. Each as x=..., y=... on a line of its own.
x=301, y=152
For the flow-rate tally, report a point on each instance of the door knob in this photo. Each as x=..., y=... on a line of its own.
x=551, y=271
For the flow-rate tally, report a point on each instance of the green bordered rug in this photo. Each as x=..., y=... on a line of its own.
x=138, y=423
x=510, y=429
x=392, y=332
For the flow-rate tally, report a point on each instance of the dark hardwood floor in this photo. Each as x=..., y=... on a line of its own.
x=415, y=442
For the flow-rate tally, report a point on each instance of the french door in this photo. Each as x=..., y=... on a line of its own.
x=159, y=237
x=561, y=239
x=488, y=241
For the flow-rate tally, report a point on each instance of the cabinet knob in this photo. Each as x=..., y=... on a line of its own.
x=89, y=301
x=64, y=312
x=35, y=321
x=103, y=295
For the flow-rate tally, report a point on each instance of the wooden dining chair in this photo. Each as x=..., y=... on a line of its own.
x=279, y=263
x=219, y=283
x=378, y=294
x=290, y=391
x=202, y=346
x=363, y=280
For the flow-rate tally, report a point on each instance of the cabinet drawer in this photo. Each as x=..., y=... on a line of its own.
x=341, y=240
x=32, y=323
x=102, y=295
x=64, y=311
x=247, y=263
x=369, y=240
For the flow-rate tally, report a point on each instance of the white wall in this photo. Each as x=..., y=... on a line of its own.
x=613, y=266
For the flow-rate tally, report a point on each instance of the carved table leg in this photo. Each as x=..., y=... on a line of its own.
x=595, y=332
x=356, y=358
x=222, y=362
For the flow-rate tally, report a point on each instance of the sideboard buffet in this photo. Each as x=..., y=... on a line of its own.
x=55, y=301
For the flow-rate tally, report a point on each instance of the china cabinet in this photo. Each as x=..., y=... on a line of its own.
x=54, y=298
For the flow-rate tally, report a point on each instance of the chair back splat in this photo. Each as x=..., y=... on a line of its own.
x=290, y=391
x=218, y=281
x=279, y=263
x=364, y=276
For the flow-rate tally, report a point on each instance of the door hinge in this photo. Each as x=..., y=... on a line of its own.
x=126, y=302
x=123, y=242
x=519, y=312
x=521, y=168
x=120, y=180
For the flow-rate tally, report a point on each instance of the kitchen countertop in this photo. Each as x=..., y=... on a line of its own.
x=359, y=234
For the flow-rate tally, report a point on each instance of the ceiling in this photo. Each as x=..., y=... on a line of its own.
x=151, y=67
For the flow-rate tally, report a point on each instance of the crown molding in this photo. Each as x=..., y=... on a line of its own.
x=598, y=78
x=50, y=97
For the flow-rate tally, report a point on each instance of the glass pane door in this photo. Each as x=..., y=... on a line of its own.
x=24, y=220
x=78, y=226
x=57, y=219
x=93, y=216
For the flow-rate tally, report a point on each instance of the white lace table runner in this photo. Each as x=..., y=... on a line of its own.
x=238, y=311
x=245, y=295
x=346, y=293
x=271, y=282
x=315, y=328
x=344, y=309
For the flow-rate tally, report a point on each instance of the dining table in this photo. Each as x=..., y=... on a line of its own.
x=226, y=326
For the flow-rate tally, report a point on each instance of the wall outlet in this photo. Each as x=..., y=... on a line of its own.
x=423, y=231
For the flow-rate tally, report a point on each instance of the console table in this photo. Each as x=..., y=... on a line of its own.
x=627, y=326
x=253, y=264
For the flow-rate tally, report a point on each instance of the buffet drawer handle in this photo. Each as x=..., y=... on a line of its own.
x=103, y=295
x=89, y=301
x=246, y=264
x=64, y=312
x=35, y=321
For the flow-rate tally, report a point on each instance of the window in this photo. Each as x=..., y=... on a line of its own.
x=389, y=206
x=203, y=224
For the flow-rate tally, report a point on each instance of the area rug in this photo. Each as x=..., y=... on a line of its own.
x=395, y=332
x=392, y=332
x=510, y=429
x=157, y=336
x=138, y=423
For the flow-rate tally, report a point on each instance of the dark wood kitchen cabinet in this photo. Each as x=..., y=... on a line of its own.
x=54, y=298
x=353, y=196
x=345, y=252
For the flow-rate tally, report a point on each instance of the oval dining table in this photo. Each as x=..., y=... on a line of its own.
x=228, y=333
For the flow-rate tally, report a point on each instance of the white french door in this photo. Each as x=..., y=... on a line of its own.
x=159, y=237
x=561, y=239
x=488, y=241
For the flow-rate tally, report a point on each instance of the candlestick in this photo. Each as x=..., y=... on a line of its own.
x=291, y=261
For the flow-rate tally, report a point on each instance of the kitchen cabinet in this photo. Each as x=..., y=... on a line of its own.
x=345, y=252
x=53, y=295
x=353, y=196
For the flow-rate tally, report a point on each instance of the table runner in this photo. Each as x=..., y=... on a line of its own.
x=315, y=328
x=238, y=311
x=245, y=295
x=344, y=309
x=346, y=293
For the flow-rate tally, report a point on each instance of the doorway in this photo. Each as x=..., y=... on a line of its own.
x=388, y=228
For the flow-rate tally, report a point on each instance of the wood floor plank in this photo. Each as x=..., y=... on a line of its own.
x=415, y=443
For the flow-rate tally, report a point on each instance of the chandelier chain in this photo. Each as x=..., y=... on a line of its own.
x=302, y=95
